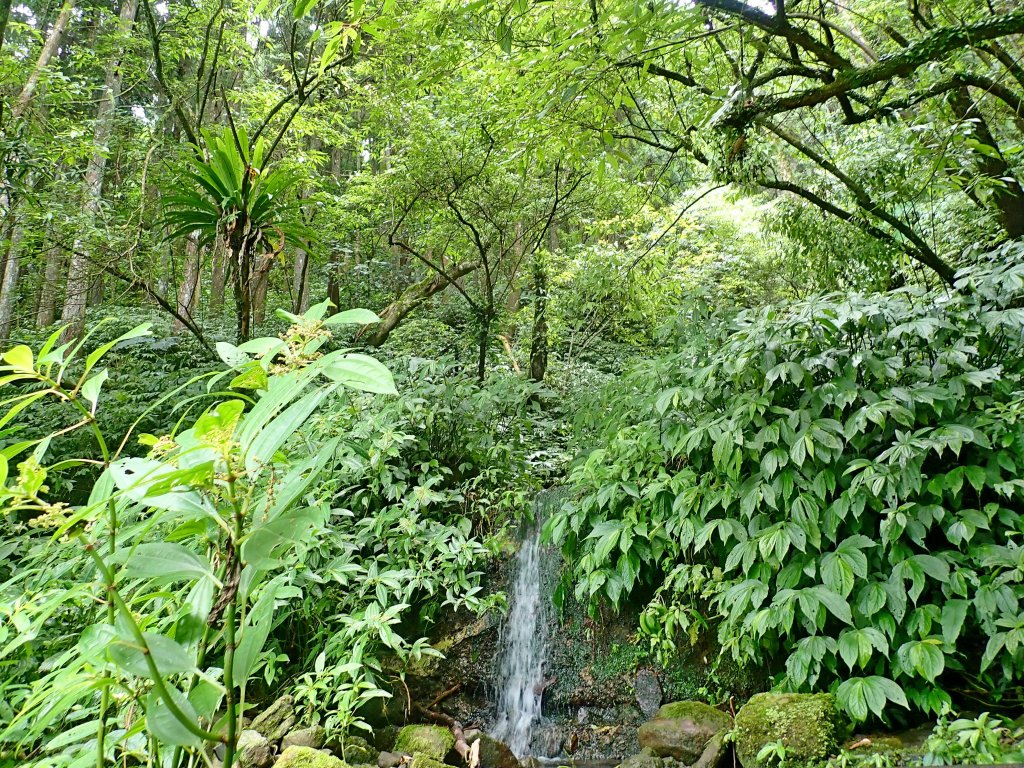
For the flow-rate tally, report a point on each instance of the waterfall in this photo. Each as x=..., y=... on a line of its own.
x=524, y=644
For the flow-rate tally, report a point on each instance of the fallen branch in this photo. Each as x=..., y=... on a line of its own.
x=470, y=754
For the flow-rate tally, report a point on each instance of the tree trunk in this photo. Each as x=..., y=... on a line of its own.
x=484, y=341
x=5, y=14
x=260, y=281
x=300, y=283
x=539, y=339
x=1007, y=194
x=53, y=39
x=46, y=312
x=219, y=276
x=9, y=284
x=412, y=297
x=78, y=287
x=189, y=290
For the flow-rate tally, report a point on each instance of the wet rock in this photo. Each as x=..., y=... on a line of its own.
x=493, y=753
x=385, y=736
x=648, y=692
x=808, y=725
x=420, y=760
x=307, y=757
x=355, y=750
x=432, y=741
x=277, y=720
x=683, y=730
x=254, y=750
x=392, y=759
x=314, y=736
x=646, y=759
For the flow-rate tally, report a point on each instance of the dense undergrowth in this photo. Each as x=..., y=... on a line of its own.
x=832, y=487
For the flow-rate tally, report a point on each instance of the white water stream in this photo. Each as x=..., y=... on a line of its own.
x=524, y=640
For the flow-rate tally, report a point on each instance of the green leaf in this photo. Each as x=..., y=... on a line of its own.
x=353, y=317
x=360, y=372
x=166, y=562
x=860, y=696
x=19, y=358
x=162, y=723
x=91, y=388
x=170, y=657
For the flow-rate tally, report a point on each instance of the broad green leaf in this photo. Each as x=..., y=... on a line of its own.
x=360, y=372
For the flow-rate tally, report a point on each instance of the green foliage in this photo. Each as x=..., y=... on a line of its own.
x=834, y=484
x=982, y=740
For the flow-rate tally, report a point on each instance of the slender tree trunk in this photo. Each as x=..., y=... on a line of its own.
x=9, y=284
x=5, y=14
x=412, y=297
x=78, y=287
x=539, y=339
x=11, y=268
x=260, y=285
x=189, y=290
x=486, y=320
x=46, y=312
x=219, y=276
x=53, y=39
x=300, y=283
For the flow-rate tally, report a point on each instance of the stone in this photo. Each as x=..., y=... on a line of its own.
x=307, y=757
x=390, y=759
x=420, y=760
x=254, y=750
x=356, y=750
x=433, y=741
x=683, y=730
x=648, y=692
x=493, y=753
x=277, y=720
x=315, y=736
x=384, y=737
x=807, y=724
x=646, y=759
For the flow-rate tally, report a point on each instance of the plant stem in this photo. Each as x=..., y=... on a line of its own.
x=230, y=620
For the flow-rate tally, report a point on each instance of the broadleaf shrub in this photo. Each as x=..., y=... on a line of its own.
x=834, y=483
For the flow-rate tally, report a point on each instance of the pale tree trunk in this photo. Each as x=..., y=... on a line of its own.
x=9, y=279
x=515, y=291
x=260, y=281
x=9, y=284
x=46, y=312
x=539, y=340
x=189, y=290
x=219, y=277
x=300, y=282
x=78, y=286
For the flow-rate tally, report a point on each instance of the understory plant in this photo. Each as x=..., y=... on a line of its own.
x=170, y=577
x=833, y=484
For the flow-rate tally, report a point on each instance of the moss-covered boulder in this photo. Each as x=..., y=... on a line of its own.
x=315, y=736
x=683, y=730
x=433, y=741
x=356, y=750
x=277, y=720
x=307, y=757
x=420, y=760
x=808, y=725
x=493, y=753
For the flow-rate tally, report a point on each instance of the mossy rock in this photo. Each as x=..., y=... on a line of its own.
x=683, y=730
x=433, y=741
x=307, y=757
x=807, y=724
x=420, y=760
x=357, y=750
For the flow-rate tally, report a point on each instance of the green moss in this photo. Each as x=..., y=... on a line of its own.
x=806, y=724
x=420, y=760
x=430, y=740
x=694, y=710
x=358, y=750
x=307, y=757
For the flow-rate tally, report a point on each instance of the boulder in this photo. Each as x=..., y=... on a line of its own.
x=648, y=692
x=390, y=759
x=433, y=741
x=683, y=730
x=807, y=724
x=384, y=737
x=646, y=759
x=356, y=750
x=277, y=720
x=254, y=750
x=307, y=757
x=493, y=753
x=314, y=736
x=420, y=760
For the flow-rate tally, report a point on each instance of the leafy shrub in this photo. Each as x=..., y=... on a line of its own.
x=834, y=483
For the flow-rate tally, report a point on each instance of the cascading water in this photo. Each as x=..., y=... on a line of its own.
x=524, y=638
